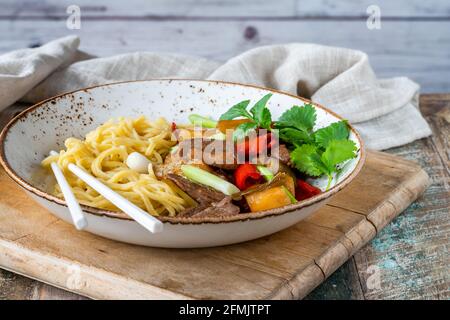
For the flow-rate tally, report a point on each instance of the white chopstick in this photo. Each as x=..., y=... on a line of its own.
x=78, y=218
x=140, y=216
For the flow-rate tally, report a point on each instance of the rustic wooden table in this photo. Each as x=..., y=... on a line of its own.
x=410, y=254
x=413, y=40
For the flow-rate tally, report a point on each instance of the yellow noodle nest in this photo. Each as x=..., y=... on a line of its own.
x=103, y=154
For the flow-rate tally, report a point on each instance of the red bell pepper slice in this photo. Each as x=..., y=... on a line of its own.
x=247, y=175
x=255, y=146
x=174, y=126
x=304, y=190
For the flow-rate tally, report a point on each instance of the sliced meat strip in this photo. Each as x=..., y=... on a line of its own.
x=198, y=192
x=211, y=202
x=221, y=208
x=220, y=154
x=190, y=152
x=213, y=152
x=283, y=154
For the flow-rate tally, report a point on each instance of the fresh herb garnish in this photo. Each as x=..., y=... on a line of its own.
x=295, y=137
x=300, y=118
x=306, y=158
x=238, y=110
x=296, y=124
x=315, y=153
x=309, y=159
x=259, y=116
x=335, y=131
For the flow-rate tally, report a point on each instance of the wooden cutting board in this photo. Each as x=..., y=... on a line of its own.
x=286, y=265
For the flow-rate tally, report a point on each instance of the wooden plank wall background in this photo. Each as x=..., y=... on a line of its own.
x=414, y=39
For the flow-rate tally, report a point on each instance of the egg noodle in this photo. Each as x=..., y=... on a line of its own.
x=103, y=154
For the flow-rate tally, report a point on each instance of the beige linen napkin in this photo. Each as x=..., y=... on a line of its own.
x=385, y=111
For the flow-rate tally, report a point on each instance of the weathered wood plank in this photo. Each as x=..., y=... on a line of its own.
x=412, y=252
x=423, y=275
x=44, y=291
x=226, y=8
x=398, y=8
x=151, y=9
x=398, y=49
x=341, y=285
x=436, y=108
x=15, y=287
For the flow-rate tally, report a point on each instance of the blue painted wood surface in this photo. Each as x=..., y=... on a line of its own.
x=413, y=39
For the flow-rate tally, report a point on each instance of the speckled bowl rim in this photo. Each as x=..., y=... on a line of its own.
x=175, y=220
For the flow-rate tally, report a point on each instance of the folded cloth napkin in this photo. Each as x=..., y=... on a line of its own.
x=385, y=111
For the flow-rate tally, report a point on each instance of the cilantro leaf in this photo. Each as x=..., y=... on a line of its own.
x=306, y=159
x=242, y=130
x=294, y=136
x=261, y=114
x=238, y=110
x=302, y=118
x=336, y=152
x=335, y=131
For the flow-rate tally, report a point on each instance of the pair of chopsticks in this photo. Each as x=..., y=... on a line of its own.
x=140, y=216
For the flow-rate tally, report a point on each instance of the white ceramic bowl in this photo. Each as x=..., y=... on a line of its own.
x=29, y=137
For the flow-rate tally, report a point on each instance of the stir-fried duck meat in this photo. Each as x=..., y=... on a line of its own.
x=215, y=154
x=221, y=209
x=211, y=202
x=201, y=194
x=283, y=154
x=209, y=151
x=190, y=151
